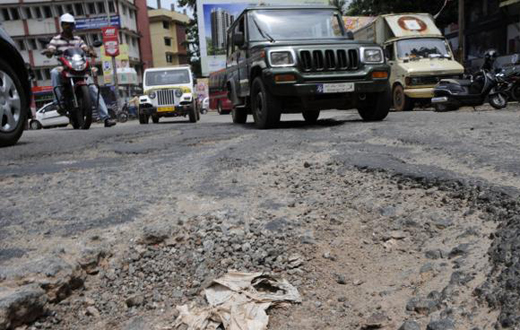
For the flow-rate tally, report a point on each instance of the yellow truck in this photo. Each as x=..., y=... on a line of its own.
x=417, y=52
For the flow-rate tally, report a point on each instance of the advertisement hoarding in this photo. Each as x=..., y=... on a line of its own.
x=215, y=16
x=111, y=40
x=97, y=22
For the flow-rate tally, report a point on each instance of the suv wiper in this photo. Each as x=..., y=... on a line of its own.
x=262, y=32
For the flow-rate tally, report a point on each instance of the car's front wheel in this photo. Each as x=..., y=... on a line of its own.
x=13, y=105
x=36, y=125
x=266, y=107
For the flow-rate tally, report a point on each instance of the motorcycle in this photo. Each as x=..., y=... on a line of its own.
x=76, y=102
x=451, y=94
x=121, y=115
x=511, y=77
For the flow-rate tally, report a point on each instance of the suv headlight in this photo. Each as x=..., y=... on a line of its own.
x=152, y=95
x=281, y=58
x=178, y=92
x=372, y=55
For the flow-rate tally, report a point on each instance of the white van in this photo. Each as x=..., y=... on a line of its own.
x=168, y=92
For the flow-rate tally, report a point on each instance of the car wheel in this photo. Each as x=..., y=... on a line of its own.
x=219, y=108
x=311, y=117
x=401, y=101
x=155, y=119
x=239, y=116
x=143, y=118
x=377, y=106
x=192, y=114
x=13, y=106
x=36, y=125
x=266, y=107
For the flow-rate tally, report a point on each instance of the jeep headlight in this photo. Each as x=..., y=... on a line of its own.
x=152, y=95
x=178, y=92
x=372, y=55
x=281, y=58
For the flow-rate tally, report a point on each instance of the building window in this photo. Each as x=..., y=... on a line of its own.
x=32, y=44
x=79, y=9
x=69, y=9
x=169, y=58
x=123, y=9
x=91, y=8
x=43, y=44
x=15, y=15
x=131, y=13
x=167, y=41
x=28, y=13
x=166, y=25
x=111, y=7
x=101, y=8
x=47, y=73
x=21, y=44
x=37, y=13
x=134, y=42
x=38, y=74
x=47, y=12
x=60, y=10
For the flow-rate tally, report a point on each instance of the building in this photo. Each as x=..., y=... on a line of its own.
x=32, y=23
x=221, y=20
x=168, y=34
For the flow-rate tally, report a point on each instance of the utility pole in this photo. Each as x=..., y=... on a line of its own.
x=462, y=48
x=114, y=66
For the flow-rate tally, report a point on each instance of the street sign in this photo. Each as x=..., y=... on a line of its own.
x=97, y=22
x=111, y=41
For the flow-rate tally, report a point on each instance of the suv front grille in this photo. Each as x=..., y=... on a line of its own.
x=166, y=97
x=329, y=59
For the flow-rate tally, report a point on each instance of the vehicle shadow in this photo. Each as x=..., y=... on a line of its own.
x=301, y=124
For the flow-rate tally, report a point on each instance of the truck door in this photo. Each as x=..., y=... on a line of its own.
x=391, y=59
x=241, y=55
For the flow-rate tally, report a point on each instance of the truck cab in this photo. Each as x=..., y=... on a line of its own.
x=417, y=52
x=168, y=92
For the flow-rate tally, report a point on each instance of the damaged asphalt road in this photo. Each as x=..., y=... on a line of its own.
x=408, y=223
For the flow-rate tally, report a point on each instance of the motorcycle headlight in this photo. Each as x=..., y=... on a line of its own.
x=281, y=58
x=79, y=65
x=372, y=55
x=152, y=95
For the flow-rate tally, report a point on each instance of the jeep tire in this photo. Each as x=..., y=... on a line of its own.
x=155, y=119
x=400, y=100
x=266, y=107
x=239, y=115
x=143, y=117
x=192, y=114
x=311, y=117
x=376, y=107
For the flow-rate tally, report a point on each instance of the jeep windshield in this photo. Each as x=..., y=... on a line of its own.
x=295, y=24
x=167, y=77
x=415, y=49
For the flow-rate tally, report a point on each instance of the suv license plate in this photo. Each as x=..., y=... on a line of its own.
x=165, y=109
x=336, y=88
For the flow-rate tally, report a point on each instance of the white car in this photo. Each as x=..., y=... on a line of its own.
x=205, y=104
x=48, y=116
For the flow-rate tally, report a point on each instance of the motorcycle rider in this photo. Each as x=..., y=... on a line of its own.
x=63, y=41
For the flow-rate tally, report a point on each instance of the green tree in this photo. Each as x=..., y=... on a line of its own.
x=192, y=37
x=380, y=7
x=340, y=4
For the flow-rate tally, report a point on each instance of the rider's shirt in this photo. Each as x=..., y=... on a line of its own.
x=61, y=43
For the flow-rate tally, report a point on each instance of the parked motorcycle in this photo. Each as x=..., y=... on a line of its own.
x=121, y=115
x=76, y=101
x=511, y=79
x=451, y=94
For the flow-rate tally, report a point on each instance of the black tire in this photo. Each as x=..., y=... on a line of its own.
x=84, y=111
x=515, y=92
x=266, y=107
x=12, y=120
x=122, y=117
x=193, y=115
x=377, y=107
x=400, y=100
x=155, y=119
x=36, y=125
x=219, y=108
x=439, y=107
x=143, y=118
x=239, y=115
x=311, y=117
x=498, y=101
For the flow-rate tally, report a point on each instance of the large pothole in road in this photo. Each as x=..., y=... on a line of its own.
x=366, y=250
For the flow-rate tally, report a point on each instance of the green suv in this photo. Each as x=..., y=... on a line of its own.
x=301, y=59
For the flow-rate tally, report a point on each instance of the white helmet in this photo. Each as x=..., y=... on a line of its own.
x=67, y=18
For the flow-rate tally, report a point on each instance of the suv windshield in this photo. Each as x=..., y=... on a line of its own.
x=167, y=77
x=294, y=24
x=422, y=48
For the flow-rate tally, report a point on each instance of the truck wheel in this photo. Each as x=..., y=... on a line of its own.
x=377, y=109
x=155, y=119
x=143, y=118
x=311, y=117
x=239, y=115
x=193, y=115
x=401, y=101
x=266, y=107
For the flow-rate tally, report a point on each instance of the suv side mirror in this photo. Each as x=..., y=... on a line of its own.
x=238, y=39
x=350, y=35
x=97, y=43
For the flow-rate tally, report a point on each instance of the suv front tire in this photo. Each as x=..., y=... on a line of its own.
x=13, y=105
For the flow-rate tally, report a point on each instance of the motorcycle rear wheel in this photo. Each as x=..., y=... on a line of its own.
x=498, y=101
x=81, y=118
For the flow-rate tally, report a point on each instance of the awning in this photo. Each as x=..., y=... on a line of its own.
x=504, y=3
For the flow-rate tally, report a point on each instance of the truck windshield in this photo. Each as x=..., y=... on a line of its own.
x=167, y=77
x=422, y=48
x=294, y=24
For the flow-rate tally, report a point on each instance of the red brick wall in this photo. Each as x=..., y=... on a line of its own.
x=145, y=42
x=181, y=37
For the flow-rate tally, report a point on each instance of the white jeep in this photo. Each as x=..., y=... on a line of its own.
x=168, y=92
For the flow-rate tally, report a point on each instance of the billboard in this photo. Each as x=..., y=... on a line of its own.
x=214, y=18
x=97, y=22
